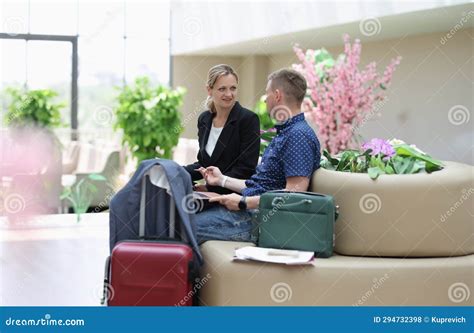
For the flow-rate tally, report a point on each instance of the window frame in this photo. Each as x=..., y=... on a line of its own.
x=74, y=72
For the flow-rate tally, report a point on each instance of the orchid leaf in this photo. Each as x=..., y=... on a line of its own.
x=375, y=172
x=431, y=167
x=331, y=160
x=406, y=150
x=268, y=136
x=389, y=170
x=97, y=177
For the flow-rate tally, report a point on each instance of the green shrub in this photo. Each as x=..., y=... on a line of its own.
x=34, y=107
x=149, y=118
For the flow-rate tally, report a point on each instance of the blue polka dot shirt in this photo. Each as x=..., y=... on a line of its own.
x=294, y=151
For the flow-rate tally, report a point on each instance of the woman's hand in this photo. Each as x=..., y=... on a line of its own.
x=202, y=171
x=200, y=188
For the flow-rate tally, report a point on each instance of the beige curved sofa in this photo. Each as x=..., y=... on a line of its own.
x=393, y=247
x=418, y=215
x=339, y=280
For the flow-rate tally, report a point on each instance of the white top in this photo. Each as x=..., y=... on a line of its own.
x=212, y=140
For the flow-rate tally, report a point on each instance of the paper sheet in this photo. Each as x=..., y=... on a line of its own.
x=276, y=256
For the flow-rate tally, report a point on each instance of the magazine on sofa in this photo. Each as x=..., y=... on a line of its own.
x=201, y=200
x=204, y=195
x=276, y=256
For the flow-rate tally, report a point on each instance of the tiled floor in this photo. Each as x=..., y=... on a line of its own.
x=53, y=260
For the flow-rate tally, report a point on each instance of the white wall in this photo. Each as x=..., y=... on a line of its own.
x=200, y=25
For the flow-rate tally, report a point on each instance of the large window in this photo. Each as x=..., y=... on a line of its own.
x=117, y=41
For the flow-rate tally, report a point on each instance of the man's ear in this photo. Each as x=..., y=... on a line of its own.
x=277, y=93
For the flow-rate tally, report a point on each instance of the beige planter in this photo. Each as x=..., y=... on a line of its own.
x=419, y=215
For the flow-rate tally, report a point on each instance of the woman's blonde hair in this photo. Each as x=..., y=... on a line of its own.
x=212, y=76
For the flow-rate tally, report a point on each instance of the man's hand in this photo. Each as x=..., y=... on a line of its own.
x=230, y=201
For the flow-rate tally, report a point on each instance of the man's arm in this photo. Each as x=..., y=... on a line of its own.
x=297, y=184
x=234, y=184
x=231, y=201
x=214, y=176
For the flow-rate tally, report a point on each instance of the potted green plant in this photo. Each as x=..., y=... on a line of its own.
x=80, y=194
x=379, y=157
x=34, y=107
x=32, y=115
x=146, y=114
x=267, y=124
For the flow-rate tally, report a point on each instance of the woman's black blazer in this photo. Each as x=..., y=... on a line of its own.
x=237, y=149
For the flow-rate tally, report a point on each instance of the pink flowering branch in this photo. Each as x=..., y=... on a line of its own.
x=339, y=100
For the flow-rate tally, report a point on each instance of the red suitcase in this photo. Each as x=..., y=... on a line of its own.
x=150, y=273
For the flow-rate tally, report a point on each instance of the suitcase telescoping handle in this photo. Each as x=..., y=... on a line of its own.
x=105, y=291
x=141, y=226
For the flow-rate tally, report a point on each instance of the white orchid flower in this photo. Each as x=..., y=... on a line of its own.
x=395, y=141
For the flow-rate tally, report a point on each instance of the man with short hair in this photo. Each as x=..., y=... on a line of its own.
x=287, y=163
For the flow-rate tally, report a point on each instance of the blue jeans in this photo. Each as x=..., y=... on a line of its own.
x=219, y=223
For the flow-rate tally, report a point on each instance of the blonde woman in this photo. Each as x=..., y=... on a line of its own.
x=229, y=134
